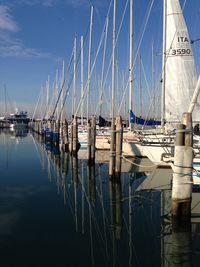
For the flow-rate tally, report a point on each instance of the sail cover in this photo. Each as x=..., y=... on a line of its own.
x=142, y=121
x=180, y=73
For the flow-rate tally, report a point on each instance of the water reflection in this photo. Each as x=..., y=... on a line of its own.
x=122, y=211
x=120, y=222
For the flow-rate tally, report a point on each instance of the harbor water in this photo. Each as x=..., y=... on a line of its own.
x=56, y=210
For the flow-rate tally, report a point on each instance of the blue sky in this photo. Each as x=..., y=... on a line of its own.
x=36, y=35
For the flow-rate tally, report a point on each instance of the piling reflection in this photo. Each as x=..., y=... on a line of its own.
x=181, y=243
x=125, y=220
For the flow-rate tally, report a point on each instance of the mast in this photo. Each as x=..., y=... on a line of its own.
x=5, y=95
x=113, y=62
x=103, y=64
x=164, y=62
x=112, y=134
x=74, y=80
x=62, y=88
x=131, y=59
x=140, y=69
x=47, y=97
x=56, y=93
x=153, y=80
x=82, y=84
x=89, y=63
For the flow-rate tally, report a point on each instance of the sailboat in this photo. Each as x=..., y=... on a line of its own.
x=178, y=83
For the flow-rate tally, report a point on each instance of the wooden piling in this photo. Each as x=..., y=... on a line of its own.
x=71, y=137
x=187, y=121
x=75, y=136
x=89, y=141
x=61, y=136
x=93, y=139
x=119, y=138
x=182, y=171
x=112, y=149
x=181, y=243
x=65, y=136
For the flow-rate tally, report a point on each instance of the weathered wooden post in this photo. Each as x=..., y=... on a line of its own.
x=187, y=121
x=41, y=126
x=56, y=133
x=65, y=136
x=61, y=135
x=181, y=243
x=75, y=136
x=89, y=141
x=71, y=136
x=112, y=149
x=182, y=170
x=93, y=139
x=119, y=139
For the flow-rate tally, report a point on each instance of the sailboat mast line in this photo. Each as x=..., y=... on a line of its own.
x=109, y=65
x=142, y=34
x=92, y=68
x=140, y=41
x=116, y=41
x=69, y=84
x=103, y=65
x=82, y=97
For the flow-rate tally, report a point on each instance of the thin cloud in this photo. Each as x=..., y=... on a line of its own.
x=18, y=50
x=52, y=3
x=6, y=20
x=10, y=46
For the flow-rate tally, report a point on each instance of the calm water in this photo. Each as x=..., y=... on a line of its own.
x=57, y=211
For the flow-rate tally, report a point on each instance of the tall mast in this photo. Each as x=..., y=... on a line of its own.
x=140, y=69
x=131, y=59
x=56, y=94
x=103, y=64
x=5, y=95
x=89, y=63
x=113, y=61
x=153, y=81
x=62, y=88
x=74, y=80
x=82, y=84
x=164, y=62
x=47, y=97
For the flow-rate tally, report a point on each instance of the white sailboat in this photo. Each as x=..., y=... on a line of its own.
x=178, y=83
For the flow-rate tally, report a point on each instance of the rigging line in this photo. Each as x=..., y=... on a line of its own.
x=82, y=98
x=36, y=105
x=125, y=8
x=184, y=4
x=52, y=98
x=142, y=35
x=68, y=84
x=90, y=206
x=91, y=71
x=103, y=67
x=151, y=103
x=123, y=96
x=47, y=86
x=145, y=78
x=147, y=15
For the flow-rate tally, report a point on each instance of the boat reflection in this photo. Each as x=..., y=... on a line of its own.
x=125, y=221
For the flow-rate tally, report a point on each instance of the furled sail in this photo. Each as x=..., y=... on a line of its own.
x=179, y=73
x=142, y=121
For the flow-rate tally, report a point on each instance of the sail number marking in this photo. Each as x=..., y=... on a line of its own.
x=181, y=51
